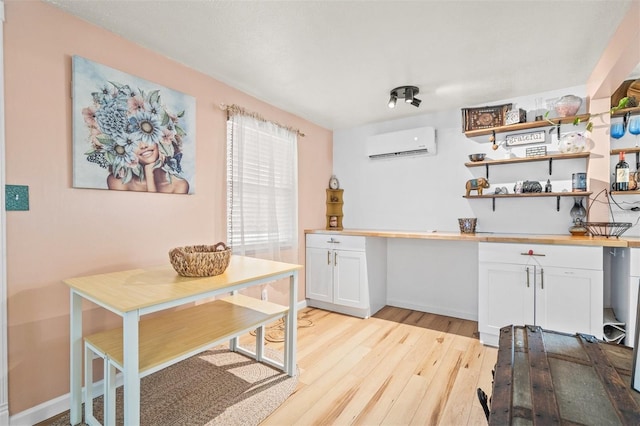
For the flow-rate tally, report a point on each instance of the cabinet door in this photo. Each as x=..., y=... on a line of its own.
x=506, y=296
x=350, y=279
x=319, y=279
x=569, y=300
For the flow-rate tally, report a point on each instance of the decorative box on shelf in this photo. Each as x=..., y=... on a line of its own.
x=515, y=116
x=484, y=117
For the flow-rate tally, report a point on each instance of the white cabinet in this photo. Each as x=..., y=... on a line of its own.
x=555, y=287
x=337, y=273
x=625, y=283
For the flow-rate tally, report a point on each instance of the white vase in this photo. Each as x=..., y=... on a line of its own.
x=572, y=142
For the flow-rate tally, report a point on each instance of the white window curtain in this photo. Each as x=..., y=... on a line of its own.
x=262, y=188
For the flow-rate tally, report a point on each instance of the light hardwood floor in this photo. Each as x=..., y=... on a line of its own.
x=400, y=367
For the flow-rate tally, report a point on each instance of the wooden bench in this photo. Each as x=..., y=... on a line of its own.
x=173, y=336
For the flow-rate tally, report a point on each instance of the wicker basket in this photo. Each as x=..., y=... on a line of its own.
x=200, y=261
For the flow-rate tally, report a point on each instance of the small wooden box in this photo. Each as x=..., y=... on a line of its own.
x=515, y=116
x=484, y=117
x=546, y=377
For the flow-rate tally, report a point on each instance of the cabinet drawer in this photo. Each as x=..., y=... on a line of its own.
x=336, y=241
x=579, y=257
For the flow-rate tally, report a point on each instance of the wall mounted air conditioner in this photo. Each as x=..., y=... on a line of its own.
x=420, y=141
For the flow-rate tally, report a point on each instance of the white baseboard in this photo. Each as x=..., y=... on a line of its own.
x=302, y=304
x=472, y=316
x=53, y=407
x=58, y=405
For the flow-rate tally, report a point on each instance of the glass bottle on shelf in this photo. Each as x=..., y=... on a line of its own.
x=622, y=174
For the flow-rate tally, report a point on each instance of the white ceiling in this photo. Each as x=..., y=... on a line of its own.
x=334, y=62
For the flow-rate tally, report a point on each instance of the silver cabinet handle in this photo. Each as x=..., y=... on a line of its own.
x=328, y=257
x=527, y=276
x=335, y=258
x=542, y=278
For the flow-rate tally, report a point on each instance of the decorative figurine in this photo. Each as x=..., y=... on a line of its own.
x=477, y=184
x=547, y=187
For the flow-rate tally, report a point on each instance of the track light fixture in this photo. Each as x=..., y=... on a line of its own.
x=392, y=100
x=407, y=93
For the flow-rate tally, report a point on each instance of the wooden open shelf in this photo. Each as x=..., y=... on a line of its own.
x=528, y=125
x=623, y=111
x=533, y=195
x=557, y=195
x=585, y=154
x=629, y=150
x=633, y=192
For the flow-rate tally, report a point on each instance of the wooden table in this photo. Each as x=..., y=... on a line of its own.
x=134, y=293
x=545, y=377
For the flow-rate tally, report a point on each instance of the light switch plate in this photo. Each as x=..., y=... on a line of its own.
x=16, y=197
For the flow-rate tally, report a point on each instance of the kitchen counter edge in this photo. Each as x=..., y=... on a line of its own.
x=489, y=237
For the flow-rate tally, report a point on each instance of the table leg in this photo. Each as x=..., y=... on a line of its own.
x=291, y=327
x=131, y=365
x=75, y=357
x=88, y=383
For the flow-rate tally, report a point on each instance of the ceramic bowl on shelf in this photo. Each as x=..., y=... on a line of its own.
x=568, y=105
x=477, y=157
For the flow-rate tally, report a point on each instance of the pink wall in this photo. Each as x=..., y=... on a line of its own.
x=69, y=232
x=617, y=62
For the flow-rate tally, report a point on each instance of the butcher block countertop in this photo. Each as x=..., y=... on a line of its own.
x=489, y=237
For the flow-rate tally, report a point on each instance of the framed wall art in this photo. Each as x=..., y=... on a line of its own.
x=130, y=134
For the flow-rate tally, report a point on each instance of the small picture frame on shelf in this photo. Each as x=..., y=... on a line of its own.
x=536, y=151
x=333, y=222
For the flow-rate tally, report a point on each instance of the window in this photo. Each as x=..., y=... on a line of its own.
x=262, y=188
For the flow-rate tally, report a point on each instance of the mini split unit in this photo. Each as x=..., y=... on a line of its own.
x=420, y=141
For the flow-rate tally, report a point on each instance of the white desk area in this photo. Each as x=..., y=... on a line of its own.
x=134, y=293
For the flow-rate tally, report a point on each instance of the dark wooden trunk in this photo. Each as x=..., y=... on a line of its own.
x=544, y=377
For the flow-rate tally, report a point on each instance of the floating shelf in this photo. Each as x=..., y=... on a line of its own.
x=632, y=192
x=622, y=112
x=528, y=125
x=529, y=159
x=617, y=151
x=533, y=195
x=537, y=194
x=548, y=158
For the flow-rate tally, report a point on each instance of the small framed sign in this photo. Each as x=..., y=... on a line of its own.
x=536, y=151
x=526, y=138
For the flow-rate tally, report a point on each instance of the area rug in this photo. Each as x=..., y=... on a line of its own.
x=216, y=387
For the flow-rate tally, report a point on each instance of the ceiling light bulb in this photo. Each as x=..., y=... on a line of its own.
x=408, y=95
x=392, y=100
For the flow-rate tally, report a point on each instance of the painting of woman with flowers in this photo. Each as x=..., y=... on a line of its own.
x=129, y=134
